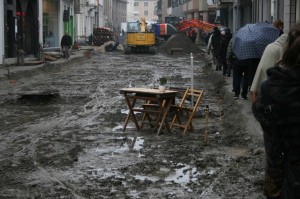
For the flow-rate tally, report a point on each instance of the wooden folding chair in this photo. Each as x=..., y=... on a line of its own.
x=148, y=118
x=152, y=113
x=188, y=111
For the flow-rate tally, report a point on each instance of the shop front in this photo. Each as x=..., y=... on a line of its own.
x=21, y=27
x=50, y=23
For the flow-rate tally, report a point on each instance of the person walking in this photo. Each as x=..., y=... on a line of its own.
x=277, y=109
x=241, y=78
x=66, y=44
x=213, y=43
x=222, y=52
x=230, y=57
x=216, y=44
x=240, y=69
x=272, y=54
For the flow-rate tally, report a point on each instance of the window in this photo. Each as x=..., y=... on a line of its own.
x=175, y=3
x=136, y=3
x=145, y=12
x=145, y=4
x=50, y=24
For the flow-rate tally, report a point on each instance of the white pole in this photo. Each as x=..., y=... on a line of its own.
x=192, y=76
x=2, y=45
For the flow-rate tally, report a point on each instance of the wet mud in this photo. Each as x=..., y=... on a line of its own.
x=61, y=134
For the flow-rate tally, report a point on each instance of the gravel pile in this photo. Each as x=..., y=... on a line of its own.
x=179, y=41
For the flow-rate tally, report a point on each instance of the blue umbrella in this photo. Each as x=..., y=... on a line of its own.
x=251, y=40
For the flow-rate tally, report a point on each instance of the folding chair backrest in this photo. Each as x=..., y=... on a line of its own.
x=194, y=96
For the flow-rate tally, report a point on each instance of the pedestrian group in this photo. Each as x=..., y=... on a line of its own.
x=274, y=83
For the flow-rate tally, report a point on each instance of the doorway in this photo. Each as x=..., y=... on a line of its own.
x=27, y=26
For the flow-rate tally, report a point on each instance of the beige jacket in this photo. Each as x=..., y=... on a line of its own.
x=270, y=57
x=209, y=46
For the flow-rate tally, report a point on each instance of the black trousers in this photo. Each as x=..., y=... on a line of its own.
x=240, y=79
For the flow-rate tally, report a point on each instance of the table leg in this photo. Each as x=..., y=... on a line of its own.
x=158, y=117
x=165, y=113
x=131, y=113
x=146, y=116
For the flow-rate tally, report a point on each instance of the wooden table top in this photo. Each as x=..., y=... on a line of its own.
x=147, y=91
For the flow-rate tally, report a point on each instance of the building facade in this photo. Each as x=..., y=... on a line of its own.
x=147, y=9
x=89, y=14
x=130, y=10
x=175, y=8
x=115, y=12
x=30, y=25
x=119, y=15
x=26, y=20
x=21, y=27
x=57, y=17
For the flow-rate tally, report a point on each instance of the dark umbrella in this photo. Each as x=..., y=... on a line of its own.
x=251, y=40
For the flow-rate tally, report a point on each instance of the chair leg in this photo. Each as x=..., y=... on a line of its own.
x=175, y=118
x=189, y=122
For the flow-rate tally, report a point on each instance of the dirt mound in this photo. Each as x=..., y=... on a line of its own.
x=179, y=41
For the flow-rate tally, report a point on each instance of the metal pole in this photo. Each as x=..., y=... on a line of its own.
x=192, y=77
x=206, y=123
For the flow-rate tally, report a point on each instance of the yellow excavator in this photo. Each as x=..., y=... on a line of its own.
x=139, y=38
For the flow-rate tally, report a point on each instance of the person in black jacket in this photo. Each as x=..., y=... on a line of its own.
x=216, y=39
x=277, y=109
x=66, y=44
x=222, y=51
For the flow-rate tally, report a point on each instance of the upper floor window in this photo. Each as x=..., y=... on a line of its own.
x=145, y=3
x=136, y=3
x=145, y=12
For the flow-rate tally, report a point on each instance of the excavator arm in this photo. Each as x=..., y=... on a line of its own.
x=194, y=23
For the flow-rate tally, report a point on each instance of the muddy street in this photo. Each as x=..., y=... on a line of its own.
x=61, y=134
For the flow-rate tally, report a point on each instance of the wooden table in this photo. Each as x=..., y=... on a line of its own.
x=164, y=101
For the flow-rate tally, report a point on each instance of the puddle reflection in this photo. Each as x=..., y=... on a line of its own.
x=183, y=175
x=134, y=144
x=143, y=178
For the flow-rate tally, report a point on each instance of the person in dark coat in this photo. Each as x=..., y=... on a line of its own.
x=240, y=69
x=66, y=44
x=215, y=43
x=222, y=52
x=277, y=109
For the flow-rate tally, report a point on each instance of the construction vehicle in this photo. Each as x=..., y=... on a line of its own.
x=139, y=38
x=194, y=23
x=164, y=30
x=182, y=25
x=174, y=20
